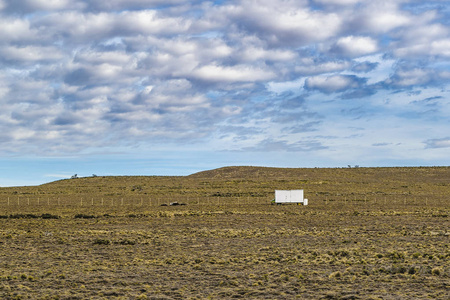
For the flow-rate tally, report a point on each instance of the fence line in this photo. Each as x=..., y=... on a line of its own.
x=154, y=201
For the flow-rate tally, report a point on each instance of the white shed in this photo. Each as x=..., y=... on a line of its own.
x=290, y=196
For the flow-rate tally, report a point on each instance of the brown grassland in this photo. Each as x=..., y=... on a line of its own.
x=367, y=233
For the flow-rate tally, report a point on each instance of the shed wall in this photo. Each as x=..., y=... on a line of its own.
x=288, y=196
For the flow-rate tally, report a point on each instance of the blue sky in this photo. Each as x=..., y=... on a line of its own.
x=172, y=87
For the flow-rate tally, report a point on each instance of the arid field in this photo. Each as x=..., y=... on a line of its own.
x=367, y=233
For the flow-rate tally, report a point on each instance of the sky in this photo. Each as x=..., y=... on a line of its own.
x=173, y=87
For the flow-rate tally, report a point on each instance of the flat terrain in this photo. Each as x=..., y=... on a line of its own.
x=367, y=233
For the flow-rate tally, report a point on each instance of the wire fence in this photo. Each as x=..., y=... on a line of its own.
x=201, y=201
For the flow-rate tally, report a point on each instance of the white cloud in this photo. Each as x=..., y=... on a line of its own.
x=411, y=77
x=240, y=73
x=338, y=2
x=280, y=87
x=204, y=50
x=440, y=47
x=14, y=30
x=47, y=4
x=22, y=134
x=423, y=39
x=438, y=143
x=91, y=56
x=123, y=4
x=81, y=27
x=275, y=145
x=284, y=23
x=354, y=46
x=382, y=16
x=149, y=22
x=77, y=26
x=310, y=66
x=331, y=84
x=41, y=6
x=255, y=53
x=30, y=54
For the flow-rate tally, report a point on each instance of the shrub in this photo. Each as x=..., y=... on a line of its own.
x=127, y=242
x=395, y=255
x=342, y=253
x=337, y=274
x=49, y=216
x=23, y=216
x=83, y=216
x=102, y=242
x=436, y=271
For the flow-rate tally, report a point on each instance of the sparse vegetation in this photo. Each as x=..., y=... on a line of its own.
x=365, y=232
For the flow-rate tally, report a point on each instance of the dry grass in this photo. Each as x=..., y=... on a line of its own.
x=368, y=233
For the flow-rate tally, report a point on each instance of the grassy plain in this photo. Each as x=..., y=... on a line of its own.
x=367, y=233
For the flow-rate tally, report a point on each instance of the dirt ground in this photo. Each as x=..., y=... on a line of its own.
x=254, y=252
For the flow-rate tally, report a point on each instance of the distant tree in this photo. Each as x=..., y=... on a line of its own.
x=74, y=176
x=93, y=175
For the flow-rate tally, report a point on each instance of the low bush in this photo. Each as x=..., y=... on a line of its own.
x=49, y=216
x=84, y=216
x=23, y=216
x=102, y=242
x=437, y=271
x=127, y=242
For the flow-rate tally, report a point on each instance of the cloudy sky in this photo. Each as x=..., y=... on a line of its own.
x=171, y=87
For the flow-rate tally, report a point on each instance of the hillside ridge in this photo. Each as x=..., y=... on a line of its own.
x=246, y=172
x=249, y=173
